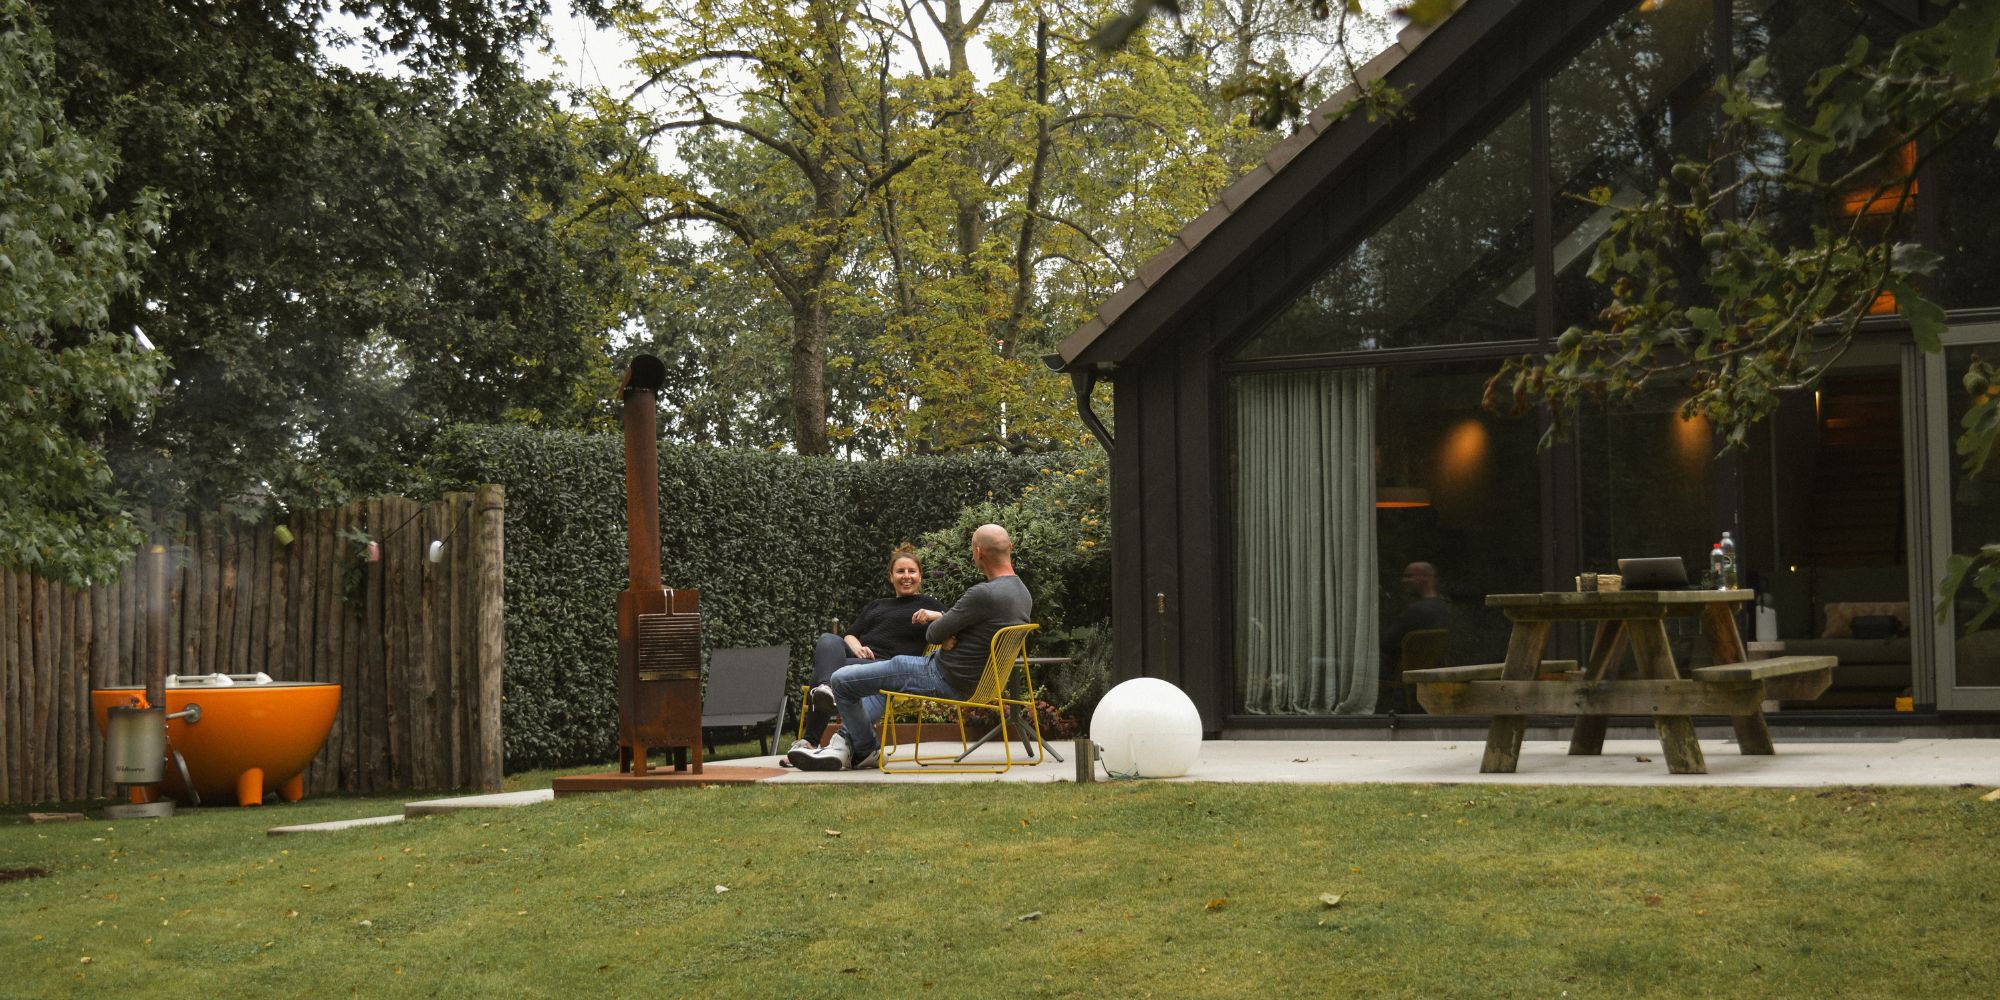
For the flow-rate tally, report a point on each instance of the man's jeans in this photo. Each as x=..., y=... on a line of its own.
x=857, y=691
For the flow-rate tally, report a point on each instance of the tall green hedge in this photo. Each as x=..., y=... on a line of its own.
x=778, y=545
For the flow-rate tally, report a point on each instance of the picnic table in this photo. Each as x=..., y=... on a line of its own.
x=1732, y=685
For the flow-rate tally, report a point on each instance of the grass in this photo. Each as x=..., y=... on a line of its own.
x=1447, y=891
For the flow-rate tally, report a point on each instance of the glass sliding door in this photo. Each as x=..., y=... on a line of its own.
x=1965, y=511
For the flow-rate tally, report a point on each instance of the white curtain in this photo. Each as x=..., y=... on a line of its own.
x=1306, y=625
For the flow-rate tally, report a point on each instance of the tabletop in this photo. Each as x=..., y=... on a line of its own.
x=1566, y=598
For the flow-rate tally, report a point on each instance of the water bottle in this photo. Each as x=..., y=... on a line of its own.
x=1716, y=562
x=1728, y=547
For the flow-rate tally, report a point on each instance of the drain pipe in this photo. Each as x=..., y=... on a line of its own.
x=1083, y=379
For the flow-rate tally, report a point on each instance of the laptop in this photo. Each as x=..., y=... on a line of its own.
x=1661, y=573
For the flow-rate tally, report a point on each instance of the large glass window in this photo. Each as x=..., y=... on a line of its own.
x=1620, y=115
x=1797, y=39
x=1968, y=216
x=1374, y=511
x=1645, y=484
x=1445, y=269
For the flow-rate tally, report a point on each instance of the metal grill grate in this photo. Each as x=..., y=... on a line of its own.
x=670, y=647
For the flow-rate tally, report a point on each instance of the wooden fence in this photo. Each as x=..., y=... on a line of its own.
x=415, y=645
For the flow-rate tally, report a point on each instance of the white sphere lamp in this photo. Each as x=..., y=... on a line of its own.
x=1148, y=729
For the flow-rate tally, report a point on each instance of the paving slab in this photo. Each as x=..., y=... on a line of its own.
x=498, y=800
x=660, y=778
x=1921, y=761
x=339, y=824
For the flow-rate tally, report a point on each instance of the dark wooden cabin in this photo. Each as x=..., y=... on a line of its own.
x=1296, y=385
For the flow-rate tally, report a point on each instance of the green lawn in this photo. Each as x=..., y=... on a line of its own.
x=1448, y=891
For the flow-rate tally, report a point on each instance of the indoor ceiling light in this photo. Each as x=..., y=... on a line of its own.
x=1402, y=496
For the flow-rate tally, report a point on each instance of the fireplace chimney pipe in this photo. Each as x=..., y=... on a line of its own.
x=640, y=392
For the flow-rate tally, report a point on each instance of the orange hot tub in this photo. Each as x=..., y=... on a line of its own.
x=251, y=737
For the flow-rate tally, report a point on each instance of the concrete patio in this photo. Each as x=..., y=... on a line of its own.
x=1797, y=764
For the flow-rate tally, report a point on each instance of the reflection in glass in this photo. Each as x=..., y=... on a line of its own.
x=1798, y=38
x=1644, y=482
x=1975, y=521
x=1968, y=216
x=1620, y=114
x=1438, y=272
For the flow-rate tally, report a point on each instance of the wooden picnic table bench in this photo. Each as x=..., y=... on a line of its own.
x=1524, y=685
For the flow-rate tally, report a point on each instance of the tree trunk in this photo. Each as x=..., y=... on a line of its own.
x=809, y=376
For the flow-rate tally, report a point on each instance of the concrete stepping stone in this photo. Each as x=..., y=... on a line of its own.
x=339, y=824
x=500, y=800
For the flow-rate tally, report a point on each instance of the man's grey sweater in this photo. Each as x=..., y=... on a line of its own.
x=985, y=609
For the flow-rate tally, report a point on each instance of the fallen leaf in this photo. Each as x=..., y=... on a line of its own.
x=853, y=970
x=606, y=965
x=1643, y=760
x=86, y=960
x=1653, y=901
x=289, y=913
x=721, y=888
x=521, y=913
x=833, y=833
x=1216, y=904
x=1299, y=760
x=1355, y=870
x=1992, y=796
x=1025, y=917
x=1330, y=898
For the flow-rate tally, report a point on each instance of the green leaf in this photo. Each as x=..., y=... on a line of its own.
x=1928, y=323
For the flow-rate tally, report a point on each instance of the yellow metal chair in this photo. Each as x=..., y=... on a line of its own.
x=1009, y=649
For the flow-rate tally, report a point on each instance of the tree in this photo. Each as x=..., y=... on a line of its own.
x=805, y=96
x=64, y=262
x=1706, y=286
x=935, y=236
x=354, y=261
x=1063, y=176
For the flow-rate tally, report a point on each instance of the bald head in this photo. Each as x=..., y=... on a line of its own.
x=993, y=551
x=1420, y=579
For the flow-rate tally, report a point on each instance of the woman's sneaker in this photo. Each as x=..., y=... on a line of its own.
x=833, y=757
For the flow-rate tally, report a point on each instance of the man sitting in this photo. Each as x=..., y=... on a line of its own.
x=964, y=635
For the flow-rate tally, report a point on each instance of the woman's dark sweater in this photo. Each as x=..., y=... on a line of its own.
x=884, y=626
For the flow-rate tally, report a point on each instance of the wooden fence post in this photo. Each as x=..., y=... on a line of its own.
x=489, y=510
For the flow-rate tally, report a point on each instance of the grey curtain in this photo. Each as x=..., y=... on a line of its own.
x=1306, y=625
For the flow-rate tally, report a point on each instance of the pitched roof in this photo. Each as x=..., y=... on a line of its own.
x=1322, y=118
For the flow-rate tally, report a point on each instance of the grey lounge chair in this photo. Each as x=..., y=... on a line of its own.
x=746, y=690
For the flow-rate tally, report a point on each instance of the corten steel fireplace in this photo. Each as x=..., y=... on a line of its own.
x=659, y=630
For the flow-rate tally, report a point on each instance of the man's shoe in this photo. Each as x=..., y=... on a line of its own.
x=873, y=760
x=822, y=700
x=833, y=757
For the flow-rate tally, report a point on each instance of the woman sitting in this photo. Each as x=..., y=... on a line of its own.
x=883, y=630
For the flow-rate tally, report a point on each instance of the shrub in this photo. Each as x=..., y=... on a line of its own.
x=1061, y=529
x=778, y=545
